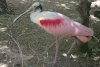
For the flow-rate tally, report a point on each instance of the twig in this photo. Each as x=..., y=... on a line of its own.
x=96, y=38
x=36, y=55
x=47, y=48
x=17, y=43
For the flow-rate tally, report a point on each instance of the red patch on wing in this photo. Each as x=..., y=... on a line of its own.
x=50, y=22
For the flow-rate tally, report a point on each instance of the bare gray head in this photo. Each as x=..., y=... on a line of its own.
x=35, y=6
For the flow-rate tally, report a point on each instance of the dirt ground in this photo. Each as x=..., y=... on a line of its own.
x=24, y=44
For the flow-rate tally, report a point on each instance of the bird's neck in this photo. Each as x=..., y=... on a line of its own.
x=34, y=15
x=36, y=12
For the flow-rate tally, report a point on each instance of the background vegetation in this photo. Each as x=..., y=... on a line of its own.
x=25, y=44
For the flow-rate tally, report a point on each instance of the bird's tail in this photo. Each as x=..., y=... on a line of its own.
x=83, y=47
x=84, y=39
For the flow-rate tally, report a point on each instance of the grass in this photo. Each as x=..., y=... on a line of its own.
x=25, y=39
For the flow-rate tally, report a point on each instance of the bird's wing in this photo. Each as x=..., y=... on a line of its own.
x=82, y=30
x=50, y=18
x=56, y=23
x=77, y=29
x=65, y=25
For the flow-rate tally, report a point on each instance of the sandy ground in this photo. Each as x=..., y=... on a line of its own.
x=23, y=43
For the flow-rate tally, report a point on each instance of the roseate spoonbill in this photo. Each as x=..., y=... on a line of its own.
x=58, y=25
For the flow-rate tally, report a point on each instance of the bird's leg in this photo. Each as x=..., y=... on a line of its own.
x=57, y=47
x=72, y=46
x=69, y=53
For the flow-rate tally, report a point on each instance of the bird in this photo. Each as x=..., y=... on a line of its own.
x=58, y=25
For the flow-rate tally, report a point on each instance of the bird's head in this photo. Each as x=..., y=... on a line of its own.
x=35, y=6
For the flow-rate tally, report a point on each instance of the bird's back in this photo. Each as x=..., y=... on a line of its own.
x=58, y=24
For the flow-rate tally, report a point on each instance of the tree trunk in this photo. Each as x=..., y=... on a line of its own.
x=83, y=8
x=3, y=6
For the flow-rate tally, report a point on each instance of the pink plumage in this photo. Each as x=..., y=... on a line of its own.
x=59, y=25
x=51, y=22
